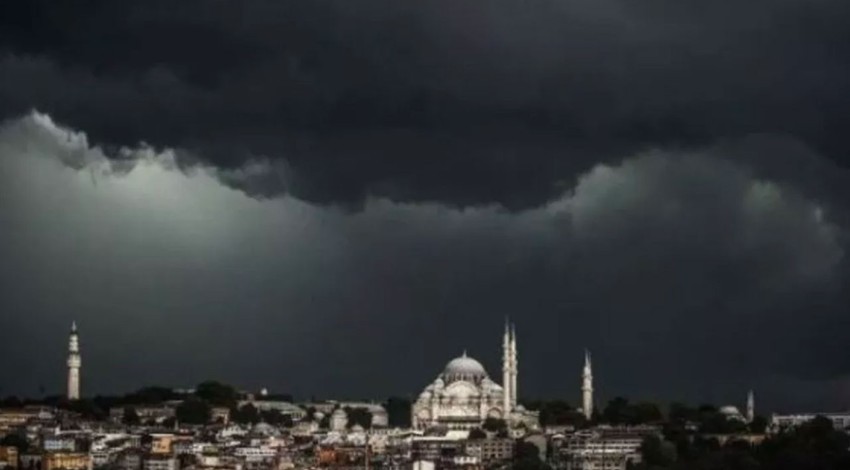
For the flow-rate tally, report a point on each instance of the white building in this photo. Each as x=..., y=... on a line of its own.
x=59, y=443
x=603, y=448
x=339, y=420
x=380, y=417
x=840, y=421
x=255, y=454
x=295, y=412
x=159, y=463
x=463, y=395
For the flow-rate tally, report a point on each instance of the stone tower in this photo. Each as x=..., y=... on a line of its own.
x=507, y=380
x=74, y=363
x=587, y=387
x=514, y=368
x=751, y=407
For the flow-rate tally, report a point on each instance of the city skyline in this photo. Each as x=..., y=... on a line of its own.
x=588, y=405
x=334, y=200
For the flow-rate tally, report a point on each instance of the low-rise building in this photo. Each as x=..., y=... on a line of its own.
x=604, y=448
x=436, y=448
x=220, y=414
x=146, y=413
x=285, y=408
x=255, y=454
x=100, y=458
x=380, y=417
x=129, y=460
x=66, y=461
x=29, y=461
x=778, y=422
x=156, y=462
x=59, y=443
x=341, y=456
x=490, y=450
x=161, y=444
x=11, y=417
x=8, y=457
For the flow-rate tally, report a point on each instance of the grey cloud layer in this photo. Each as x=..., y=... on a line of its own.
x=458, y=102
x=653, y=261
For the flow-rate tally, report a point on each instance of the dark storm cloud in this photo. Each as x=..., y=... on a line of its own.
x=459, y=102
x=674, y=174
x=688, y=274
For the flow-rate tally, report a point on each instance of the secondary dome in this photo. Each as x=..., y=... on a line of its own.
x=464, y=368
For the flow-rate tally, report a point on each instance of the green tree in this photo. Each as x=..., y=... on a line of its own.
x=527, y=457
x=11, y=402
x=84, y=407
x=657, y=452
x=759, y=425
x=217, y=394
x=617, y=411
x=277, y=418
x=246, y=414
x=681, y=413
x=359, y=416
x=153, y=395
x=130, y=417
x=273, y=417
x=193, y=411
x=398, y=412
x=718, y=423
x=287, y=397
x=15, y=440
x=494, y=425
x=557, y=413
x=645, y=413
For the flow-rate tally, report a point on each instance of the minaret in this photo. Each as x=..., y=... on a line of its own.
x=514, y=368
x=74, y=364
x=751, y=407
x=587, y=387
x=507, y=380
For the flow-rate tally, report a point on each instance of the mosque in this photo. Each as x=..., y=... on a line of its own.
x=463, y=395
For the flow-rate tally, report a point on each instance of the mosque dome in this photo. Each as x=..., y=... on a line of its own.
x=729, y=410
x=464, y=368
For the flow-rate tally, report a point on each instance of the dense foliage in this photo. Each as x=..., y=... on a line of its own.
x=359, y=417
x=15, y=440
x=130, y=417
x=193, y=411
x=246, y=414
x=527, y=457
x=217, y=394
x=620, y=411
x=812, y=446
x=557, y=413
x=398, y=412
x=494, y=425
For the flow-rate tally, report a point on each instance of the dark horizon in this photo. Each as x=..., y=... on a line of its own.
x=572, y=398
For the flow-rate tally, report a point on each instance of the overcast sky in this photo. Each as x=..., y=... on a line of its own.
x=334, y=198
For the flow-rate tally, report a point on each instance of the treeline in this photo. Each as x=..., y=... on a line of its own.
x=196, y=407
x=815, y=445
x=620, y=411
